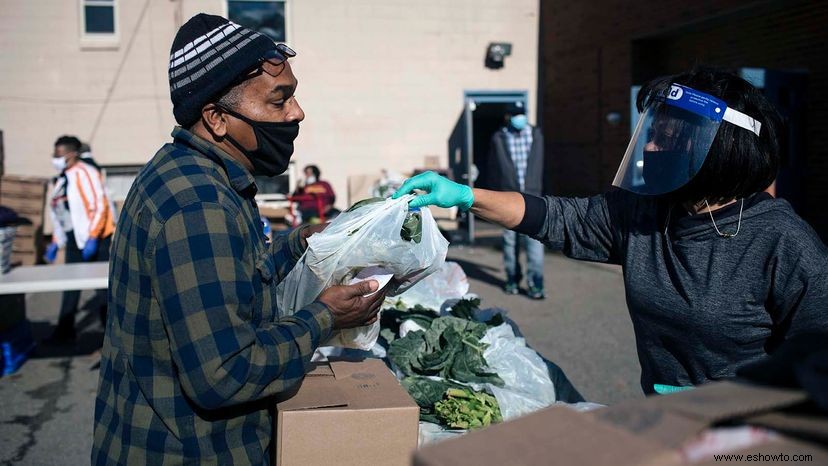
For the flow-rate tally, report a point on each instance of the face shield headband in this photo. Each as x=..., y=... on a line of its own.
x=672, y=138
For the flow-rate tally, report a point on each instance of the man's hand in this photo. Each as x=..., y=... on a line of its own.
x=310, y=230
x=441, y=192
x=349, y=306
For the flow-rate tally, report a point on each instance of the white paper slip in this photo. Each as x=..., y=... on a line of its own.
x=374, y=272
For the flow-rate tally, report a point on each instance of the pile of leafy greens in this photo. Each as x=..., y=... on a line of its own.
x=450, y=348
x=436, y=362
x=451, y=404
x=466, y=409
x=427, y=392
x=391, y=319
x=465, y=309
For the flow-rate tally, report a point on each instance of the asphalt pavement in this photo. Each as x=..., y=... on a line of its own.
x=583, y=326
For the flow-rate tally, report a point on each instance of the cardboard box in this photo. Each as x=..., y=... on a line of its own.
x=26, y=196
x=360, y=186
x=641, y=432
x=347, y=413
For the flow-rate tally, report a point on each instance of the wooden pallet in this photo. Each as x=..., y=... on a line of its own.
x=26, y=196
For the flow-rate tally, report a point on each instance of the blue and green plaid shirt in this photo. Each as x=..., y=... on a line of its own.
x=195, y=347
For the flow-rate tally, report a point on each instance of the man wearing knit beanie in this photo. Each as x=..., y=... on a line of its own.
x=195, y=344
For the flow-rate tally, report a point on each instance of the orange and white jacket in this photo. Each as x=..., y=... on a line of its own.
x=89, y=206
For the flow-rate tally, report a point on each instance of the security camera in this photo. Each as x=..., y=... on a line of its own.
x=495, y=54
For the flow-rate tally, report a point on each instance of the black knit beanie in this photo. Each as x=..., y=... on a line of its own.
x=209, y=54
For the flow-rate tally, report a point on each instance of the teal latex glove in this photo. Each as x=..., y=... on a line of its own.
x=440, y=191
x=668, y=389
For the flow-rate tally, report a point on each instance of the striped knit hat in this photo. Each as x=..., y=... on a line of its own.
x=209, y=54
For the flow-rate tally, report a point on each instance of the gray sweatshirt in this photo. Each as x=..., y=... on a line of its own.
x=701, y=305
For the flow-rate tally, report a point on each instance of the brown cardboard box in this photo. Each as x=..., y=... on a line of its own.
x=641, y=432
x=347, y=413
x=26, y=196
x=360, y=186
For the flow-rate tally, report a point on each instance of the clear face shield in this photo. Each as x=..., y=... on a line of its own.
x=672, y=138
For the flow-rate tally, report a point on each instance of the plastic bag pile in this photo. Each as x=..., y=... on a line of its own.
x=438, y=343
x=468, y=346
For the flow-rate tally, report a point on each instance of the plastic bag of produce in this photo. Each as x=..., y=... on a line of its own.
x=374, y=233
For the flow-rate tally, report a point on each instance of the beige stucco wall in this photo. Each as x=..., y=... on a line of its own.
x=381, y=81
x=51, y=84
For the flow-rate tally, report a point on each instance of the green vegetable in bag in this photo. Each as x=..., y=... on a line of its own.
x=412, y=229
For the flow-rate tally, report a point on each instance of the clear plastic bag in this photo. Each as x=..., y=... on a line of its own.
x=526, y=383
x=364, y=237
x=450, y=282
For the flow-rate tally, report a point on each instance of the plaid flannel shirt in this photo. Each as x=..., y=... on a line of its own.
x=195, y=347
x=520, y=144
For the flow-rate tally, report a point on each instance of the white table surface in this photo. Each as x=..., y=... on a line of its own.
x=60, y=277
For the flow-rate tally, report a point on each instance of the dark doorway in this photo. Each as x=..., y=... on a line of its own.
x=468, y=147
x=487, y=118
x=786, y=90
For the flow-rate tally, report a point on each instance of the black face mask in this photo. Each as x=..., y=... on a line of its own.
x=274, y=145
x=665, y=170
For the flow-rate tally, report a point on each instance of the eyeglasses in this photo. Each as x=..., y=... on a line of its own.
x=285, y=50
x=273, y=63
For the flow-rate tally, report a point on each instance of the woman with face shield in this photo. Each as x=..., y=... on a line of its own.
x=717, y=272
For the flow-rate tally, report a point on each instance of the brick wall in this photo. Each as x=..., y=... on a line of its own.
x=592, y=52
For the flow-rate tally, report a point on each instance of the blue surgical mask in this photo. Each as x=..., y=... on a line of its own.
x=518, y=122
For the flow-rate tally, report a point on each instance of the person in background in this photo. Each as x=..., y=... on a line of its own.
x=311, y=192
x=718, y=273
x=516, y=154
x=86, y=157
x=83, y=224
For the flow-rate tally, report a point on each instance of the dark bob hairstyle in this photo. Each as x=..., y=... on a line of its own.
x=739, y=163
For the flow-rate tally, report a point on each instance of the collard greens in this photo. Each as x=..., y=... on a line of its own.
x=465, y=409
x=427, y=392
x=465, y=309
x=391, y=319
x=450, y=349
x=451, y=404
